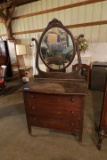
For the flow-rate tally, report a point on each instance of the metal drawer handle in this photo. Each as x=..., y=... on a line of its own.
x=33, y=107
x=73, y=100
x=32, y=96
x=72, y=124
x=34, y=118
x=72, y=112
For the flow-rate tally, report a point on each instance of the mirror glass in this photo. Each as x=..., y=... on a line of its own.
x=56, y=48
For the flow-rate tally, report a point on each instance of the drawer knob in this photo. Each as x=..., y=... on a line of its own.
x=33, y=107
x=72, y=112
x=73, y=100
x=71, y=124
x=34, y=118
x=31, y=96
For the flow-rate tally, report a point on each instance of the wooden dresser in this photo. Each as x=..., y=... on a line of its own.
x=56, y=105
x=103, y=121
x=55, y=99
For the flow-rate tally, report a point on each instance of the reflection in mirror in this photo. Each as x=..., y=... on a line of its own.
x=57, y=48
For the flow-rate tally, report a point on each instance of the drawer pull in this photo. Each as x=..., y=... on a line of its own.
x=33, y=107
x=34, y=118
x=32, y=96
x=72, y=112
x=72, y=124
x=73, y=100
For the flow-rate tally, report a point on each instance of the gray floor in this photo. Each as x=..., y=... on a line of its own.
x=17, y=144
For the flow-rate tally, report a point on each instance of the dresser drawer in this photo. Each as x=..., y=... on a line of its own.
x=61, y=124
x=62, y=111
x=57, y=100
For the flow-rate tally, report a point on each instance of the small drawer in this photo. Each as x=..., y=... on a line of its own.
x=54, y=111
x=52, y=123
x=54, y=100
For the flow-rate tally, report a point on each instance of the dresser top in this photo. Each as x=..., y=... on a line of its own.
x=54, y=86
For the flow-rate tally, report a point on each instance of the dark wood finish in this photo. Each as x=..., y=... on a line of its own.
x=4, y=57
x=103, y=122
x=11, y=3
x=56, y=105
x=86, y=73
x=13, y=58
x=55, y=100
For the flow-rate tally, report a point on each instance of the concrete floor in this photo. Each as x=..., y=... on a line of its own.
x=45, y=144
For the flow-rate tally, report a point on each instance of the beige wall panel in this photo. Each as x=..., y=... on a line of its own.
x=55, y=3
x=26, y=24
x=97, y=11
x=33, y=7
x=67, y=17
x=30, y=23
x=28, y=8
x=87, y=33
x=39, y=21
x=74, y=15
x=14, y=23
x=56, y=14
x=80, y=31
x=38, y=6
x=35, y=23
x=44, y=20
x=2, y=28
x=15, y=12
x=80, y=0
x=95, y=34
x=16, y=26
x=74, y=31
x=62, y=16
x=21, y=10
x=89, y=13
x=104, y=11
x=68, y=2
x=61, y=3
x=74, y=1
x=21, y=23
x=44, y=5
x=102, y=32
x=49, y=16
x=81, y=14
x=49, y=4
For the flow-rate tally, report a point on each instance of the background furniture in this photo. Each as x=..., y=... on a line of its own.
x=55, y=99
x=13, y=58
x=85, y=71
x=2, y=76
x=98, y=76
x=21, y=52
x=103, y=122
x=4, y=57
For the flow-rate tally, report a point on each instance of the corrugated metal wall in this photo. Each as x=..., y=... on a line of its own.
x=81, y=14
x=76, y=15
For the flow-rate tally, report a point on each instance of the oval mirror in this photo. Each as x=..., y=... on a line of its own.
x=57, y=48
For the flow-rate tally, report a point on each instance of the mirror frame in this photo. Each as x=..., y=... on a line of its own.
x=58, y=74
x=52, y=24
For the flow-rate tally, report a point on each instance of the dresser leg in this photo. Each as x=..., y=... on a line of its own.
x=80, y=137
x=29, y=129
x=101, y=134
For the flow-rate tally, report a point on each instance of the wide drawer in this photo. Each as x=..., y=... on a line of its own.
x=52, y=123
x=61, y=111
x=48, y=99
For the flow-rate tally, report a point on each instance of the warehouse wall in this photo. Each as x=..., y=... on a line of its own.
x=28, y=20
